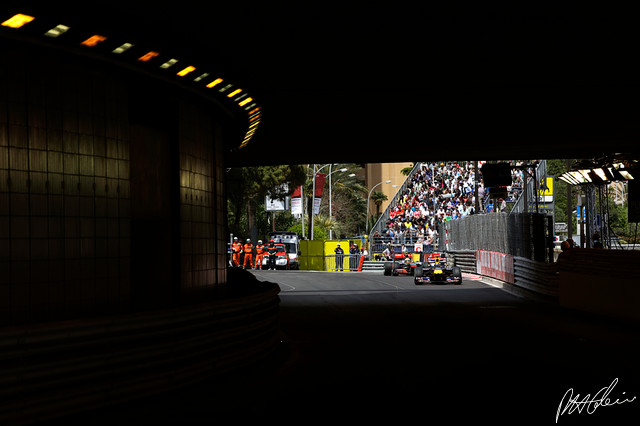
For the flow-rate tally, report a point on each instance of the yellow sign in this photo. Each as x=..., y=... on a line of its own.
x=549, y=190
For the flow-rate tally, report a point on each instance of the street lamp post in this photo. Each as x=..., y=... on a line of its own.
x=344, y=169
x=313, y=195
x=368, y=201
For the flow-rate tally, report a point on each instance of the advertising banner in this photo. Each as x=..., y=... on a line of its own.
x=495, y=265
x=274, y=204
x=277, y=203
x=317, y=198
x=296, y=201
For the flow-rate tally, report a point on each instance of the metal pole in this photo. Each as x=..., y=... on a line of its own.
x=569, y=207
x=313, y=199
x=330, y=213
x=302, y=201
x=368, y=202
x=525, y=184
x=476, y=206
x=535, y=187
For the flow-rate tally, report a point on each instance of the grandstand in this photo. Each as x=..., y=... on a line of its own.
x=436, y=192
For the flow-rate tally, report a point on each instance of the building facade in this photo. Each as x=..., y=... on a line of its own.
x=381, y=172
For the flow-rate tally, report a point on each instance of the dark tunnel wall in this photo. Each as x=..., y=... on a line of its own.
x=111, y=190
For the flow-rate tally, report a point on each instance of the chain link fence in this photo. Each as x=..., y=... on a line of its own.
x=525, y=235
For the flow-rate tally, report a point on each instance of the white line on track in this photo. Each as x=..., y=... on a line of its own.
x=292, y=287
x=385, y=283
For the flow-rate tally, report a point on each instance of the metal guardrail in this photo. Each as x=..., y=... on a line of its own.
x=53, y=370
x=465, y=259
x=532, y=278
x=538, y=277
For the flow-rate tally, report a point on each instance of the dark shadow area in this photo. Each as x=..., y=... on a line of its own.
x=381, y=360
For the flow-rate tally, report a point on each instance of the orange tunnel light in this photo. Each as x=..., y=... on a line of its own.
x=93, y=40
x=148, y=56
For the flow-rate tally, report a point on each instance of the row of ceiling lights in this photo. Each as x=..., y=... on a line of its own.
x=233, y=93
x=601, y=171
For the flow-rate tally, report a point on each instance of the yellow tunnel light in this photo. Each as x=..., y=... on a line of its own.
x=16, y=21
x=235, y=92
x=56, y=31
x=93, y=40
x=215, y=83
x=186, y=71
x=148, y=56
x=245, y=101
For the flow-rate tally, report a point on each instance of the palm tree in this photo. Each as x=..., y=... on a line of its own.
x=378, y=197
x=325, y=222
x=349, y=201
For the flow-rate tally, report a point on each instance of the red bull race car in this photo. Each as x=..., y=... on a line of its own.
x=437, y=270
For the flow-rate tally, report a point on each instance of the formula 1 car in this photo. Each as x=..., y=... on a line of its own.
x=401, y=264
x=437, y=270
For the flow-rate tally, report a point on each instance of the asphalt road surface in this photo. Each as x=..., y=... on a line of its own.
x=370, y=349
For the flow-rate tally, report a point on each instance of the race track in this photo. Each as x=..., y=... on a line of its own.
x=362, y=348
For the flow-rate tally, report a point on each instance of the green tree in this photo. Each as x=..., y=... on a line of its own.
x=247, y=187
x=349, y=202
x=348, y=199
x=405, y=171
x=378, y=197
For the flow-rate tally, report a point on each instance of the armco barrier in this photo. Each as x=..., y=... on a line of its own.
x=57, y=369
x=538, y=277
x=465, y=259
x=535, y=280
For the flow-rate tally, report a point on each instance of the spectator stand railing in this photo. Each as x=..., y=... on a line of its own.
x=379, y=226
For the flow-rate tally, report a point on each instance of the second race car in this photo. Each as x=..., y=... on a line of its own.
x=401, y=264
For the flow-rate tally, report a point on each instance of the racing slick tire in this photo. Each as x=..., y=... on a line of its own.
x=394, y=269
x=417, y=273
x=388, y=267
x=457, y=272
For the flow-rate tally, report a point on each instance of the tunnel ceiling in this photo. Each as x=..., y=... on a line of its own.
x=362, y=83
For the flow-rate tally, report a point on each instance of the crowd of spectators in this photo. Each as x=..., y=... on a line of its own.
x=439, y=192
